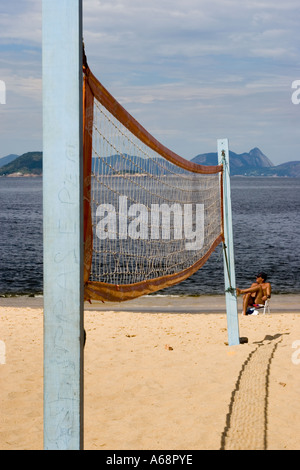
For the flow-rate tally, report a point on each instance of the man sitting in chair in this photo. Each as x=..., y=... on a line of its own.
x=257, y=294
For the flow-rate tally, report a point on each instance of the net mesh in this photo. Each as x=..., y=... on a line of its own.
x=151, y=218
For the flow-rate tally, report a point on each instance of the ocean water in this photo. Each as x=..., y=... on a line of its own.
x=266, y=230
x=21, y=235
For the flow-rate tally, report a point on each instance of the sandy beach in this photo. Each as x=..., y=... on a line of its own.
x=159, y=374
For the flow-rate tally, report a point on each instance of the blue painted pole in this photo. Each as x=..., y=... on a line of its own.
x=63, y=224
x=228, y=252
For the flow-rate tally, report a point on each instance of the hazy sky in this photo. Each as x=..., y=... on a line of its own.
x=190, y=71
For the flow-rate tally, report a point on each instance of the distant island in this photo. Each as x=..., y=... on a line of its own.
x=28, y=164
x=253, y=163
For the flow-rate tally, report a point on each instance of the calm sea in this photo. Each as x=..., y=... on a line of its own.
x=266, y=237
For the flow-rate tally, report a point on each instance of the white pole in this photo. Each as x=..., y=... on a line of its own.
x=62, y=206
x=228, y=252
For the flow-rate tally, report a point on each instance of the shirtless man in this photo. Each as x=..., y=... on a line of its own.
x=258, y=293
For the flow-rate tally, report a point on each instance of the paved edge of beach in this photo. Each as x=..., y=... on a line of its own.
x=283, y=303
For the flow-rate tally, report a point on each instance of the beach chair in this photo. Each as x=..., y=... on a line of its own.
x=256, y=309
x=267, y=307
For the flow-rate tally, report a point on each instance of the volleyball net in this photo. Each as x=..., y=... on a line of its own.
x=151, y=218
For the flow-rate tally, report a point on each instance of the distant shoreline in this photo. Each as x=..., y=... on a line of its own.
x=28, y=175
x=181, y=304
x=17, y=175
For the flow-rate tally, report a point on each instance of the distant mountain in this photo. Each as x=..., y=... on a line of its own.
x=28, y=164
x=130, y=164
x=7, y=159
x=290, y=169
x=252, y=163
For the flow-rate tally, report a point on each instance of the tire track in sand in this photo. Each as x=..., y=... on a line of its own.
x=247, y=419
